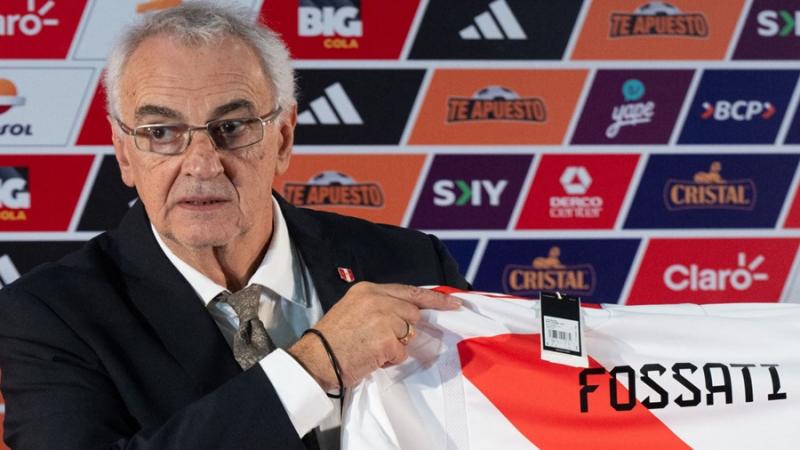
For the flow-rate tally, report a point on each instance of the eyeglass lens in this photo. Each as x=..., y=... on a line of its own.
x=227, y=134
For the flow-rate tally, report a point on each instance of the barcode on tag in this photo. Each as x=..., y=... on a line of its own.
x=561, y=334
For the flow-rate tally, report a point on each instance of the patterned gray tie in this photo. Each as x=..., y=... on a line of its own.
x=251, y=342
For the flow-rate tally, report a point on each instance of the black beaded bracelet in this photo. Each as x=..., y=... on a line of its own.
x=334, y=362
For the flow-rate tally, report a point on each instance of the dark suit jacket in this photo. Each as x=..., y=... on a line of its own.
x=111, y=348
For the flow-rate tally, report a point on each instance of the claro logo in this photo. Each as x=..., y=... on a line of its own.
x=30, y=23
x=679, y=277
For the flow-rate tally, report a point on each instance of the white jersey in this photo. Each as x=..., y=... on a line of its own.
x=667, y=376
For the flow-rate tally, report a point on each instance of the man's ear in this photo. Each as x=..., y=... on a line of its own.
x=121, y=152
x=286, y=125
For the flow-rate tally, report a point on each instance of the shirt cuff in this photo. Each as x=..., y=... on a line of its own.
x=303, y=399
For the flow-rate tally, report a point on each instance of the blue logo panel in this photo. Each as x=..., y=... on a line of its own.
x=739, y=107
x=712, y=191
x=462, y=251
x=594, y=269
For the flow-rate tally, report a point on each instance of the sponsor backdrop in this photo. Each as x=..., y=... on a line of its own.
x=628, y=151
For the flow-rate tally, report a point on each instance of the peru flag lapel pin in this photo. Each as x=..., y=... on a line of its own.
x=346, y=274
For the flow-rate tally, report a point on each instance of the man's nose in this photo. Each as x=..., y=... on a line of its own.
x=202, y=160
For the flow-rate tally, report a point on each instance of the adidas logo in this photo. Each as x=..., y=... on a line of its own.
x=486, y=24
x=8, y=272
x=333, y=108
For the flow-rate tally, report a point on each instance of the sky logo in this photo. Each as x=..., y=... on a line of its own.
x=771, y=31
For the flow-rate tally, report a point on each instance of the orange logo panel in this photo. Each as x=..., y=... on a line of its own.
x=638, y=29
x=373, y=187
x=474, y=107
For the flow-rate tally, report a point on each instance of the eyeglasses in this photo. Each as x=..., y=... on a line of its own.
x=174, y=138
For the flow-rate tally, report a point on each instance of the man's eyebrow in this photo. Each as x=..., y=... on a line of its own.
x=220, y=111
x=155, y=110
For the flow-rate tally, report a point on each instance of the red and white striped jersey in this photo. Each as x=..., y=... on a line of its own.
x=664, y=376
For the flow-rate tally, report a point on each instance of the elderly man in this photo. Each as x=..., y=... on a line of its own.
x=183, y=328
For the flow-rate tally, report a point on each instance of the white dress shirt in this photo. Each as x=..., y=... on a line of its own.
x=289, y=293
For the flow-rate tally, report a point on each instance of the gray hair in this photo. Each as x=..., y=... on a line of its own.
x=198, y=24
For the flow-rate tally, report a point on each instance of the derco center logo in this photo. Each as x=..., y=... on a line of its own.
x=15, y=196
x=576, y=181
x=9, y=98
x=709, y=190
x=658, y=19
x=495, y=103
x=30, y=23
x=332, y=188
x=339, y=25
x=548, y=273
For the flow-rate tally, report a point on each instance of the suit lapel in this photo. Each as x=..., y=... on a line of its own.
x=171, y=306
x=320, y=253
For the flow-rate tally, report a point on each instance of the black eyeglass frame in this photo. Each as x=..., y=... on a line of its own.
x=264, y=120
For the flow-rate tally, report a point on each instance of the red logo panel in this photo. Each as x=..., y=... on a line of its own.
x=38, y=29
x=39, y=193
x=96, y=129
x=713, y=271
x=362, y=30
x=577, y=192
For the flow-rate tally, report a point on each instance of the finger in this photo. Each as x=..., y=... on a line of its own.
x=422, y=298
x=399, y=354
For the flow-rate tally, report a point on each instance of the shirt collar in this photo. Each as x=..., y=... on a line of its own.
x=280, y=269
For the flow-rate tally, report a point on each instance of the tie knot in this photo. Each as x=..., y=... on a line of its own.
x=244, y=302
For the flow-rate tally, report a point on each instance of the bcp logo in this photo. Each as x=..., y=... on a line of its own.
x=548, y=273
x=339, y=25
x=15, y=196
x=709, y=190
x=771, y=31
x=577, y=191
x=658, y=19
x=738, y=107
x=713, y=270
x=470, y=191
x=35, y=29
x=738, y=110
x=9, y=98
x=495, y=103
x=332, y=188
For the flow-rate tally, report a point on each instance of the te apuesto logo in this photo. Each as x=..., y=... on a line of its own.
x=713, y=270
x=332, y=188
x=38, y=29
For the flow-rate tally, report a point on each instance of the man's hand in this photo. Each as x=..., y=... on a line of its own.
x=363, y=329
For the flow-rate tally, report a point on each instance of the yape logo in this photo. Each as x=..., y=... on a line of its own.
x=331, y=188
x=713, y=270
x=472, y=107
x=339, y=107
x=632, y=107
x=9, y=98
x=738, y=110
x=711, y=191
x=346, y=29
x=642, y=30
x=470, y=191
x=495, y=29
x=594, y=269
x=495, y=103
x=738, y=107
x=38, y=29
x=771, y=31
x=577, y=191
x=28, y=199
x=28, y=113
x=15, y=196
x=708, y=189
x=374, y=187
x=548, y=273
x=658, y=18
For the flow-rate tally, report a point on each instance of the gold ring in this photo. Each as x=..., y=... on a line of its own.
x=410, y=333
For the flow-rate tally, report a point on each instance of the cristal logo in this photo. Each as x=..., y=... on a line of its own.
x=340, y=25
x=739, y=110
x=29, y=24
x=769, y=23
x=709, y=190
x=548, y=273
x=632, y=112
x=576, y=182
x=679, y=277
x=462, y=192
